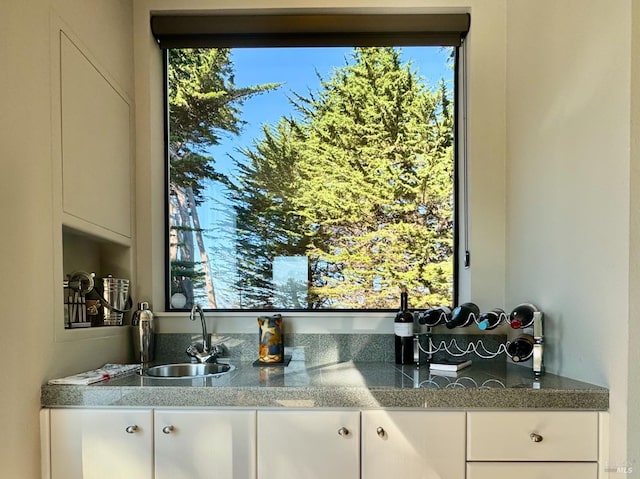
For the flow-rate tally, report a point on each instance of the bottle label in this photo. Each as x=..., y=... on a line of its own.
x=403, y=329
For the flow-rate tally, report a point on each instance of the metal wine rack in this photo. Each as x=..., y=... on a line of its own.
x=478, y=348
x=463, y=382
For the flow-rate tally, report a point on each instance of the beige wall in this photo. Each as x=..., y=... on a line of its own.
x=633, y=397
x=568, y=194
x=26, y=233
x=29, y=351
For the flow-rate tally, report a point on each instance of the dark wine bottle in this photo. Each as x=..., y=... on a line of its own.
x=434, y=316
x=522, y=316
x=403, y=331
x=463, y=315
x=521, y=348
x=491, y=319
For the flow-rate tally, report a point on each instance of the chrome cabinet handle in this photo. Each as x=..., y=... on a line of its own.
x=168, y=429
x=131, y=429
x=535, y=437
x=343, y=431
x=380, y=431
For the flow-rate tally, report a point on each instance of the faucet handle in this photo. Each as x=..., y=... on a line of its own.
x=217, y=349
x=194, y=350
x=201, y=354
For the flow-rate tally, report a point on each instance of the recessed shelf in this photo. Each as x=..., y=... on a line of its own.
x=87, y=252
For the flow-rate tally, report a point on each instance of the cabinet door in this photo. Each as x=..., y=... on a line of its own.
x=101, y=444
x=308, y=444
x=193, y=444
x=532, y=470
x=96, y=144
x=413, y=444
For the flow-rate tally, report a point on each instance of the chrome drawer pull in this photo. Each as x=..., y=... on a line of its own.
x=167, y=429
x=535, y=437
x=380, y=431
x=131, y=429
x=343, y=431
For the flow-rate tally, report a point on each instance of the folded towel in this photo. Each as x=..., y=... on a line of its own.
x=107, y=371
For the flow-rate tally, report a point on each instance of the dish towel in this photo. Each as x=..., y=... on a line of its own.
x=108, y=371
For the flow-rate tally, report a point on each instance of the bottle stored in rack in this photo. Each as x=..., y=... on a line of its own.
x=521, y=348
x=491, y=319
x=463, y=315
x=522, y=316
x=434, y=316
x=528, y=346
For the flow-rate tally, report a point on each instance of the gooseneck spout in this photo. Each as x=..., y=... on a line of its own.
x=206, y=345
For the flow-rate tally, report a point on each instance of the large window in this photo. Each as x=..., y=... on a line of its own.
x=311, y=177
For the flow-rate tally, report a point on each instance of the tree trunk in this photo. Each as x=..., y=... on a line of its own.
x=204, y=257
x=184, y=236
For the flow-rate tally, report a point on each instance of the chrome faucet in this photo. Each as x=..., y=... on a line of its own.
x=202, y=351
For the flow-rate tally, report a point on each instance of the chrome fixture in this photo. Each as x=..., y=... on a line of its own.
x=202, y=351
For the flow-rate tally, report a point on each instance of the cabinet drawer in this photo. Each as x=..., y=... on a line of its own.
x=532, y=470
x=507, y=436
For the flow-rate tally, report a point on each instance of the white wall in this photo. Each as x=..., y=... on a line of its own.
x=29, y=351
x=568, y=186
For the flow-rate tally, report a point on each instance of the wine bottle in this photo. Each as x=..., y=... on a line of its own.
x=522, y=316
x=403, y=330
x=434, y=316
x=491, y=319
x=521, y=348
x=463, y=315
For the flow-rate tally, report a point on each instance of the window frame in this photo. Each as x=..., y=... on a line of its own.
x=460, y=179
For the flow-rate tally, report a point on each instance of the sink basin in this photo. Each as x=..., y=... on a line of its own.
x=188, y=370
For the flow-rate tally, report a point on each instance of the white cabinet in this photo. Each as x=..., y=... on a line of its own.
x=95, y=143
x=236, y=443
x=532, y=444
x=192, y=444
x=294, y=444
x=101, y=444
x=413, y=444
x=127, y=443
x=379, y=444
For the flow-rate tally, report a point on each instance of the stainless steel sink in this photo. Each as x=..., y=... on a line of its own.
x=189, y=370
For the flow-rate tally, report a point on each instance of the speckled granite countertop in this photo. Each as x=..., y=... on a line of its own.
x=341, y=385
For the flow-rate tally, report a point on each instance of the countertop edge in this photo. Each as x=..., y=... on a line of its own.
x=318, y=397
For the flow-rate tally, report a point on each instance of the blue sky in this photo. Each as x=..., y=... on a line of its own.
x=296, y=68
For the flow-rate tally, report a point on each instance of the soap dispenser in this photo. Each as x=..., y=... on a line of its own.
x=143, y=334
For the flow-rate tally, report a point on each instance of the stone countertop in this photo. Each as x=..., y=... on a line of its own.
x=340, y=385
